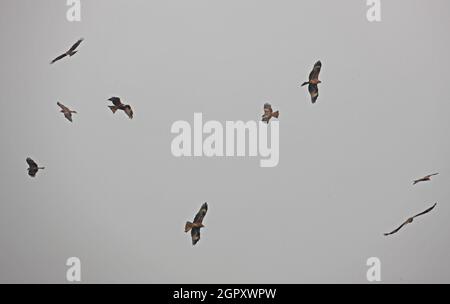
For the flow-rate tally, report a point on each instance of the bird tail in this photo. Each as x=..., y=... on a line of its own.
x=113, y=108
x=41, y=168
x=305, y=83
x=188, y=227
x=75, y=112
x=276, y=114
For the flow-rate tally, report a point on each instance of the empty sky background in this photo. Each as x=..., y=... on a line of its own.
x=113, y=195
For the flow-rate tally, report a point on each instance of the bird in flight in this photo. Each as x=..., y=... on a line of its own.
x=72, y=51
x=66, y=111
x=33, y=168
x=269, y=113
x=314, y=81
x=197, y=224
x=410, y=220
x=118, y=105
x=425, y=178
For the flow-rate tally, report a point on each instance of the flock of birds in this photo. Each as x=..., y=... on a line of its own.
x=312, y=88
x=197, y=223
x=411, y=219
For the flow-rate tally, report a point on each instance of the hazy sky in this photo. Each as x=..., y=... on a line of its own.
x=113, y=194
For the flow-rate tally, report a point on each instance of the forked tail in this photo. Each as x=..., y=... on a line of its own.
x=188, y=227
x=305, y=83
x=113, y=108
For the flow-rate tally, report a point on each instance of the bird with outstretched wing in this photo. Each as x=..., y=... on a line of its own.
x=269, y=113
x=411, y=219
x=72, y=51
x=195, y=226
x=118, y=105
x=33, y=168
x=425, y=178
x=314, y=81
x=66, y=111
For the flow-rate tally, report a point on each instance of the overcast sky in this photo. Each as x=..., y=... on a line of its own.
x=113, y=194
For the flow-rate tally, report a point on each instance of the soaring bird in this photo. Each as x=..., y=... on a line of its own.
x=269, y=113
x=197, y=224
x=425, y=178
x=67, y=112
x=411, y=219
x=72, y=51
x=33, y=167
x=314, y=81
x=118, y=105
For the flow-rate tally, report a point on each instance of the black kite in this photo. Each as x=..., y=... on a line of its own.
x=197, y=224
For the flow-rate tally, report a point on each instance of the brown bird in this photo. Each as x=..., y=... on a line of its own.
x=314, y=81
x=410, y=220
x=197, y=224
x=118, y=105
x=33, y=168
x=424, y=179
x=72, y=51
x=269, y=113
x=67, y=112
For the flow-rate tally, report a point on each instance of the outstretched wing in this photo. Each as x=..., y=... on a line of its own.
x=32, y=172
x=116, y=101
x=314, y=92
x=195, y=234
x=314, y=75
x=129, y=111
x=68, y=115
x=428, y=176
x=396, y=230
x=426, y=211
x=74, y=47
x=201, y=214
x=31, y=163
x=58, y=58
x=419, y=180
x=63, y=107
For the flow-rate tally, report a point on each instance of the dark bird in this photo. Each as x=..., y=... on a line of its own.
x=314, y=81
x=269, y=113
x=410, y=220
x=72, y=51
x=197, y=224
x=66, y=111
x=425, y=178
x=118, y=105
x=33, y=167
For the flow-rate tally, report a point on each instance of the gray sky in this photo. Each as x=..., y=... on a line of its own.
x=114, y=196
